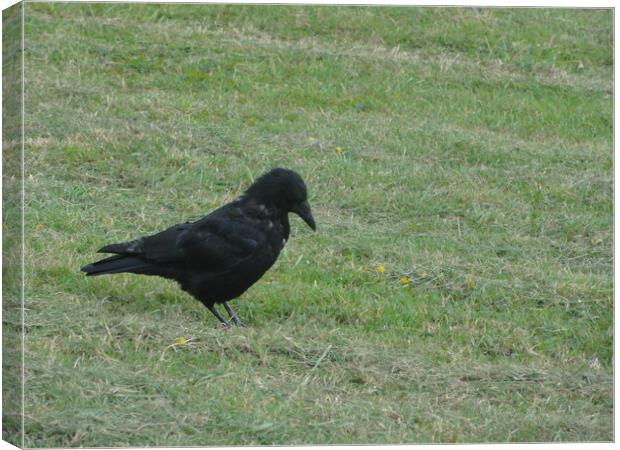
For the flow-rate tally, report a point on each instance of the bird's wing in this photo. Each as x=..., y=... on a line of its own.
x=215, y=242
x=220, y=242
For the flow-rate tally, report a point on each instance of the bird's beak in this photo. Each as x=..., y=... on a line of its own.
x=303, y=210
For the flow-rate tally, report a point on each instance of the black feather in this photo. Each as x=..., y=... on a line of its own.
x=114, y=264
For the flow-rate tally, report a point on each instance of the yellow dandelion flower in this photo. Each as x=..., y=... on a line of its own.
x=404, y=280
x=339, y=150
x=470, y=283
x=181, y=341
x=381, y=268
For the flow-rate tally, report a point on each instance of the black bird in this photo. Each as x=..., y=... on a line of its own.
x=218, y=257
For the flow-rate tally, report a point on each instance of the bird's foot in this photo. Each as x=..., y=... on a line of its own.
x=235, y=321
x=229, y=325
x=238, y=322
x=233, y=316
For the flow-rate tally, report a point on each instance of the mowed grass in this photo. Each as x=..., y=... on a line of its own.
x=469, y=150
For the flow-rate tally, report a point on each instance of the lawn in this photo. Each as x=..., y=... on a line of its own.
x=459, y=287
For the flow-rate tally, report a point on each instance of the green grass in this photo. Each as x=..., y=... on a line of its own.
x=12, y=393
x=476, y=160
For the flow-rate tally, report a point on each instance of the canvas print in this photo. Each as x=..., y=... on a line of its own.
x=229, y=225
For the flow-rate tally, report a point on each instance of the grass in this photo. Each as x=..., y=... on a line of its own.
x=476, y=159
x=12, y=362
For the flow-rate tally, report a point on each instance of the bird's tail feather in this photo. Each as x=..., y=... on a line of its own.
x=116, y=248
x=116, y=264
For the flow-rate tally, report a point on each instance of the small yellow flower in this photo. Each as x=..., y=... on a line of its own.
x=181, y=341
x=470, y=283
x=339, y=150
x=381, y=268
x=404, y=280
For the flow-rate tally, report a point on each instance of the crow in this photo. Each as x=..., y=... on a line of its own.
x=217, y=258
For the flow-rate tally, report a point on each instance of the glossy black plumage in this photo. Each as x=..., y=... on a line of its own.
x=218, y=257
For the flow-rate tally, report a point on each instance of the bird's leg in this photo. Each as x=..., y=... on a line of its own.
x=218, y=315
x=233, y=316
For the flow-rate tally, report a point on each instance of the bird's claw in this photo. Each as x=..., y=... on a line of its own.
x=228, y=325
x=239, y=323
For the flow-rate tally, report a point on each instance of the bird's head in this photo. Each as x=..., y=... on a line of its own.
x=284, y=189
